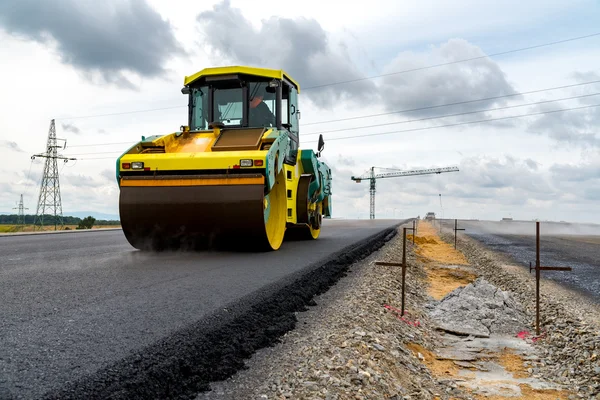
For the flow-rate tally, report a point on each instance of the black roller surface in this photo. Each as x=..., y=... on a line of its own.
x=156, y=217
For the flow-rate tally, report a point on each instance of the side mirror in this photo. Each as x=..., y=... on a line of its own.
x=185, y=90
x=320, y=145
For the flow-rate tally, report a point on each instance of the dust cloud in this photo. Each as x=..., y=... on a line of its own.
x=525, y=228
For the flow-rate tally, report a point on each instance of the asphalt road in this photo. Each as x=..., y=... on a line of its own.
x=75, y=304
x=561, y=245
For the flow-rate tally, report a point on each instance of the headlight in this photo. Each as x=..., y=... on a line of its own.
x=245, y=163
x=137, y=165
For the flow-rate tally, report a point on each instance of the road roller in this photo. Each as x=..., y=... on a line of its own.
x=234, y=175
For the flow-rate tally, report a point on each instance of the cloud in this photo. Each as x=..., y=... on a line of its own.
x=71, y=128
x=300, y=46
x=506, y=181
x=586, y=76
x=532, y=164
x=110, y=38
x=575, y=173
x=11, y=145
x=80, y=180
x=452, y=83
x=578, y=182
x=346, y=161
x=574, y=127
x=108, y=175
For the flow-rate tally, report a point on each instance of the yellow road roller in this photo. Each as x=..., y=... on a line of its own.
x=234, y=175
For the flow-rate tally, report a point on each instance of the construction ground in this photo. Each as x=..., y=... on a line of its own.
x=468, y=332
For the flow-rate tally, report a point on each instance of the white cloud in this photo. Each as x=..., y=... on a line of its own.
x=515, y=168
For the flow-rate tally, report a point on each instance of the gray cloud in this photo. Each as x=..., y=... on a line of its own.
x=71, y=128
x=452, y=83
x=532, y=164
x=300, y=46
x=575, y=127
x=108, y=175
x=586, y=76
x=107, y=37
x=578, y=128
x=506, y=181
x=592, y=193
x=80, y=180
x=576, y=183
x=346, y=161
x=575, y=173
x=11, y=145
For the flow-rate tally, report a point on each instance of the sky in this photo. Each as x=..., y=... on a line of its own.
x=387, y=85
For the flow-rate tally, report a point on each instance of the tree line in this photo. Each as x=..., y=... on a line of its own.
x=49, y=220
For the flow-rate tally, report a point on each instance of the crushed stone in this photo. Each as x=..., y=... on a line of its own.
x=569, y=343
x=479, y=309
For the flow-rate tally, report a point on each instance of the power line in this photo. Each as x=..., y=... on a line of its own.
x=94, y=153
x=392, y=112
x=98, y=158
x=120, y=113
x=452, y=115
x=452, y=104
x=460, y=123
x=454, y=62
x=365, y=78
x=431, y=127
x=102, y=144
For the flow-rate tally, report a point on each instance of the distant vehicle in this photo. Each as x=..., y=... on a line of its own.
x=430, y=216
x=507, y=219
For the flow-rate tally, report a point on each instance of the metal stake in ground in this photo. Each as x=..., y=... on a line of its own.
x=403, y=265
x=539, y=268
x=456, y=228
x=414, y=229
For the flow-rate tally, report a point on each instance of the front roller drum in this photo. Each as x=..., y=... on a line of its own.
x=166, y=212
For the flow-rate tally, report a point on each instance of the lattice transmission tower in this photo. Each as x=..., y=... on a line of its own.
x=49, y=201
x=21, y=214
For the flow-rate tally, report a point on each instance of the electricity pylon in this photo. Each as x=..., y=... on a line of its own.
x=21, y=214
x=49, y=199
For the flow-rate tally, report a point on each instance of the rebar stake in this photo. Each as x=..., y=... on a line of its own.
x=403, y=265
x=539, y=268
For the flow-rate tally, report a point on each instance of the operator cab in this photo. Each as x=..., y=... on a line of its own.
x=243, y=100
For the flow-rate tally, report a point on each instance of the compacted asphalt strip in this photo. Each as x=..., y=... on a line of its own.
x=561, y=245
x=88, y=316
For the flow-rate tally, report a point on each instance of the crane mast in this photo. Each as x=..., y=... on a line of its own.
x=372, y=177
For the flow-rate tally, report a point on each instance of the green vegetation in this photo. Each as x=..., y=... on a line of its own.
x=86, y=223
x=49, y=220
x=7, y=228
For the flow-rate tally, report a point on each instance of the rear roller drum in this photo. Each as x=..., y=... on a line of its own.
x=275, y=206
x=315, y=219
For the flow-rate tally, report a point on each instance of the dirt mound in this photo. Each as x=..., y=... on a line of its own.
x=444, y=280
x=422, y=239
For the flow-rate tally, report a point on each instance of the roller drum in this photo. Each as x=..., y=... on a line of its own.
x=175, y=212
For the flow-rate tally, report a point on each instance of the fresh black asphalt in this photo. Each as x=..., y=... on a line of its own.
x=561, y=245
x=84, y=315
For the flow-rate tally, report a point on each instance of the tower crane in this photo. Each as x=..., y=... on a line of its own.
x=372, y=177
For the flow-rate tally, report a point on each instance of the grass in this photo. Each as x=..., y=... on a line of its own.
x=7, y=228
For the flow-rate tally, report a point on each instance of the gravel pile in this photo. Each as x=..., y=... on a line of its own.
x=353, y=344
x=570, y=327
x=479, y=309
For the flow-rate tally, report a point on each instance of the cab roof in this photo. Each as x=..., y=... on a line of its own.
x=263, y=72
